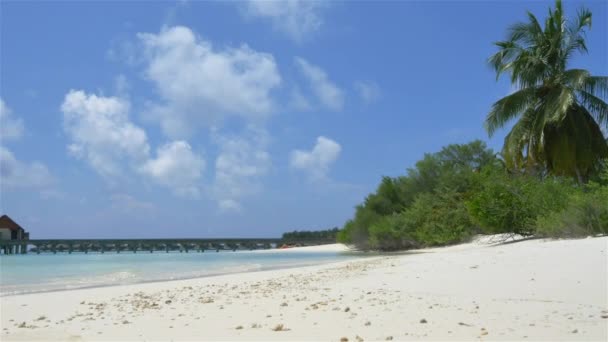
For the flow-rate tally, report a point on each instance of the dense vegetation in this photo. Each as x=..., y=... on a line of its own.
x=311, y=235
x=551, y=177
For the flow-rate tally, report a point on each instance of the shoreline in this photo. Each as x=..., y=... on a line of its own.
x=328, y=248
x=470, y=291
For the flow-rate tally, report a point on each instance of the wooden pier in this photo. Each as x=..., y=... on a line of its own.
x=143, y=245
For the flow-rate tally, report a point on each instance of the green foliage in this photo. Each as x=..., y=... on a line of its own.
x=315, y=235
x=559, y=111
x=439, y=219
x=510, y=203
x=419, y=209
x=464, y=190
x=586, y=213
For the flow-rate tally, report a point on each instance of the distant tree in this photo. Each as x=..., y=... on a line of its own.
x=312, y=235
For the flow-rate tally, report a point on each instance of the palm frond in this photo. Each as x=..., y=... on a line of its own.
x=557, y=102
x=526, y=32
x=524, y=137
x=597, y=85
x=596, y=106
x=576, y=78
x=508, y=108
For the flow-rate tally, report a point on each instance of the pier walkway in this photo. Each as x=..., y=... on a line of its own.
x=144, y=245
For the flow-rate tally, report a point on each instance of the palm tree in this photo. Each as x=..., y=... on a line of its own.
x=560, y=111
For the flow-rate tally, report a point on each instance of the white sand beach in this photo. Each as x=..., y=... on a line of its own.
x=529, y=290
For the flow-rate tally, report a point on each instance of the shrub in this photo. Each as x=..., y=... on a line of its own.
x=391, y=233
x=439, y=219
x=586, y=214
x=510, y=204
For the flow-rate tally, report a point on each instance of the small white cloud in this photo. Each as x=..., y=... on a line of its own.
x=317, y=161
x=101, y=132
x=241, y=163
x=229, y=205
x=18, y=174
x=298, y=101
x=200, y=85
x=129, y=204
x=121, y=86
x=11, y=128
x=368, y=91
x=177, y=168
x=329, y=94
x=298, y=19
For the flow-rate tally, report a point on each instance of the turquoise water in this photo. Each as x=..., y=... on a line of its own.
x=51, y=272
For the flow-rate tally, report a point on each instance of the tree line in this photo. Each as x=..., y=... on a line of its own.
x=314, y=235
x=549, y=179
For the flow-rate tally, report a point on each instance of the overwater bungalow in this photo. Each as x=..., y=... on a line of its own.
x=10, y=230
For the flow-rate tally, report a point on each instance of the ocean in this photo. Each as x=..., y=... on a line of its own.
x=53, y=272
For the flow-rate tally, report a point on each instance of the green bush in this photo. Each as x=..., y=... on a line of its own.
x=383, y=221
x=511, y=203
x=391, y=233
x=439, y=219
x=586, y=214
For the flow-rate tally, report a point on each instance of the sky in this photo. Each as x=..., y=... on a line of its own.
x=238, y=119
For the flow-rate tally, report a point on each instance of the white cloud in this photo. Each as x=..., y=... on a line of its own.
x=298, y=101
x=200, y=85
x=330, y=95
x=17, y=174
x=297, y=19
x=317, y=161
x=369, y=91
x=229, y=205
x=241, y=163
x=101, y=132
x=176, y=167
x=11, y=128
x=129, y=204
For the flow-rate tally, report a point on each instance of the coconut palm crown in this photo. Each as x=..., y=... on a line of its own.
x=560, y=111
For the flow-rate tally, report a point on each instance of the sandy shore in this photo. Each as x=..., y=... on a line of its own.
x=529, y=290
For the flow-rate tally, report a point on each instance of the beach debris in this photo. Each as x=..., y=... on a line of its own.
x=605, y=316
x=359, y=338
x=168, y=301
x=575, y=331
x=474, y=266
x=423, y=321
x=279, y=327
x=41, y=318
x=484, y=331
x=389, y=338
x=22, y=325
x=284, y=304
x=239, y=327
x=464, y=324
x=125, y=322
x=255, y=326
x=347, y=309
x=368, y=323
x=344, y=339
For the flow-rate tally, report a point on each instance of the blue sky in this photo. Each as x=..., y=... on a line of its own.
x=208, y=119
